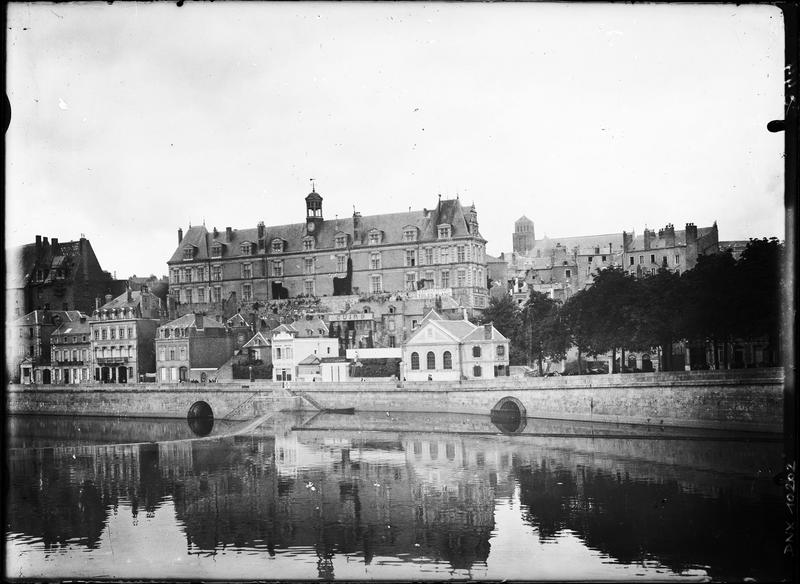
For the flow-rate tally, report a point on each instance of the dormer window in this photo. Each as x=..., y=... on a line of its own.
x=374, y=237
x=216, y=250
x=340, y=240
x=410, y=234
x=188, y=252
x=247, y=248
x=444, y=231
x=308, y=243
x=277, y=246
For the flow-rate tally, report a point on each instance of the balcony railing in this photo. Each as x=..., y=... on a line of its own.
x=61, y=362
x=110, y=360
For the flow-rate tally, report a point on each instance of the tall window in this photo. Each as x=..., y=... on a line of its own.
x=217, y=293
x=277, y=246
x=201, y=274
x=375, y=261
x=411, y=258
x=445, y=279
x=476, y=371
x=677, y=259
x=188, y=252
x=429, y=255
x=247, y=249
x=411, y=281
x=641, y=259
x=216, y=250
x=247, y=292
x=476, y=351
x=308, y=287
x=201, y=294
x=652, y=258
x=444, y=255
x=247, y=270
x=444, y=232
x=414, y=361
x=341, y=263
x=375, y=284
x=277, y=269
x=480, y=281
x=308, y=265
x=112, y=333
x=431, y=360
x=447, y=360
x=631, y=261
x=216, y=273
x=461, y=278
x=460, y=253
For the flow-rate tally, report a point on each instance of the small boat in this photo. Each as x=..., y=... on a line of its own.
x=339, y=410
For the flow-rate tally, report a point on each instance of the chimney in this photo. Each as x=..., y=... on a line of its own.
x=198, y=321
x=216, y=233
x=109, y=298
x=38, y=242
x=691, y=232
x=180, y=235
x=356, y=227
x=97, y=303
x=54, y=244
x=228, y=234
x=647, y=238
x=129, y=293
x=45, y=243
x=669, y=235
x=83, y=319
x=261, y=230
x=487, y=332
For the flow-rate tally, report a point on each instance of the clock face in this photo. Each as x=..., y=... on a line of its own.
x=310, y=225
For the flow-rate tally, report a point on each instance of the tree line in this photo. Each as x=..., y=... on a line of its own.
x=719, y=301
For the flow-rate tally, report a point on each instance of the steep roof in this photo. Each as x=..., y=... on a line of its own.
x=258, y=340
x=194, y=321
x=310, y=360
x=637, y=244
x=57, y=317
x=74, y=327
x=477, y=335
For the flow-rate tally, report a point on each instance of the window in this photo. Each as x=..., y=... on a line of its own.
x=201, y=294
x=374, y=237
x=161, y=354
x=411, y=258
x=247, y=270
x=247, y=292
x=308, y=287
x=340, y=241
x=187, y=275
x=415, y=361
x=277, y=269
x=411, y=281
x=501, y=350
x=664, y=261
x=308, y=265
x=652, y=258
x=188, y=252
x=444, y=255
x=341, y=263
x=112, y=333
x=568, y=273
x=216, y=250
x=375, y=284
x=74, y=354
x=308, y=244
x=409, y=235
x=216, y=273
x=590, y=259
x=480, y=281
x=392, y=341
x=641, y=259
x=375, y=261
x=277, y=246
x=652, y=271
x=201, y=274
x=96, y=335
x=476, y=351
x=677, y=259
x=246, y=248
x=183, y=353
x=461, y=277
x=429, y=256
x=431, y=360
x=444, y=232
x=58, y=355
x=217, y=294
x=476, y=371
x=460, y=253
x=174, y=275
x=602, y=258
x=447, y=360
x=445, y=279
x=631, y=261
x=121, y=333
x=172, y=354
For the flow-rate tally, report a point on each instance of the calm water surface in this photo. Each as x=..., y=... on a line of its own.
x=389, y=497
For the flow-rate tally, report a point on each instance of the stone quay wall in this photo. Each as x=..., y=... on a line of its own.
x=749, y=399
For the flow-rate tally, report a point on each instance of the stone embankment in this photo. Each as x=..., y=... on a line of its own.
x=750, y=399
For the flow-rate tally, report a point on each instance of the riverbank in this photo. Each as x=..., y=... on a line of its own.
x=748, y=400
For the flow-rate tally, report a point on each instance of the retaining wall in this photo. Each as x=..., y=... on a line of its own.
x=750, y=399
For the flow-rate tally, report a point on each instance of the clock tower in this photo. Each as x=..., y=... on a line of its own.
x=313, y=212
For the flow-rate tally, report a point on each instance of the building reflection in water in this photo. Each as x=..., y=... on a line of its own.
x=412, y=496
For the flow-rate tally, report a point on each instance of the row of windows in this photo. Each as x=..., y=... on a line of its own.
x=172, y=353
x=653, y=259
x=447, y=357
x=70, y=355
x=105, y=333
x=198, y=274
x=117, y=313
x=103, y=352
x=65, y=339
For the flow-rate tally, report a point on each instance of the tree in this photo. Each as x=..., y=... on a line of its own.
x=657, y=315
x=504, y=314
x=544, y=332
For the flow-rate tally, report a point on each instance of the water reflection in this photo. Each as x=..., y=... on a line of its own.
x=421, y=499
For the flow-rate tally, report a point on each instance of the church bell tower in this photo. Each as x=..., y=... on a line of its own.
x=313, y=211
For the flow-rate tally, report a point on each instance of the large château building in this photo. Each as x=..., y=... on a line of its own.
x=433, y=249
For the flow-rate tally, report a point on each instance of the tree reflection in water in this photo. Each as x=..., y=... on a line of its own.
x=413, y=496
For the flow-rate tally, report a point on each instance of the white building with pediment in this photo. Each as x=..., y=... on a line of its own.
x=452, y=350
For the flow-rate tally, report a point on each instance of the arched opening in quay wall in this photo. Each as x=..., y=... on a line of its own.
x=200, y=418
x=509, y=415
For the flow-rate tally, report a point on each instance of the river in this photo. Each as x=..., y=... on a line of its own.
x=389, y=496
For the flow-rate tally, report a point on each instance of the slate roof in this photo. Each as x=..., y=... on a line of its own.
x=461, y=330
x=581, y=241
x=258, y=340
x=190, y=321
x=48, y=317
x=310, y=360
x=391, y=224
x=659, y=243
x=74, y=327
x=477, y=335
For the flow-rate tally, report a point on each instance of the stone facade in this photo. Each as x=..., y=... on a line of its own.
x=188, y=347
x=436, y=248
x=292, y=343
x=675, y=250
x=28, y=343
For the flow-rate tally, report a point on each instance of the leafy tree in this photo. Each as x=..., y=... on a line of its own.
x=656, y=317
x=504, y=314
x=545, y=334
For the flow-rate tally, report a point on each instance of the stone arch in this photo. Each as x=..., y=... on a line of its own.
x=510, y=405
x=509, y=415
x=200, y=418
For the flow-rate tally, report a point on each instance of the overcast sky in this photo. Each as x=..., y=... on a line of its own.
x=131, y=120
